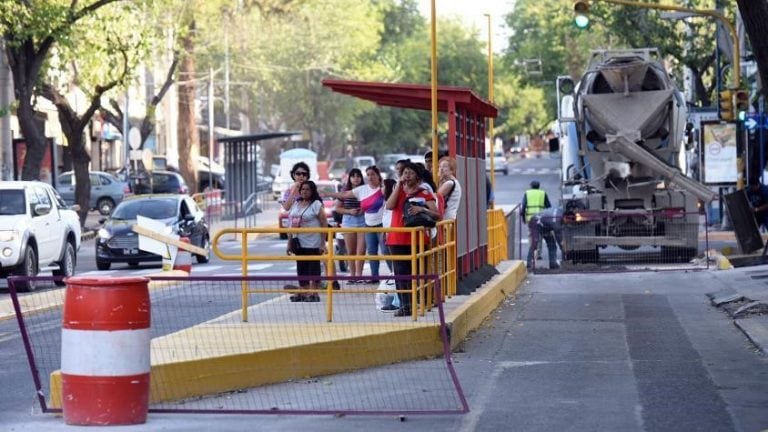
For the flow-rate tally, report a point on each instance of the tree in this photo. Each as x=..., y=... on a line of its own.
x=755, y=17
x=31, y=30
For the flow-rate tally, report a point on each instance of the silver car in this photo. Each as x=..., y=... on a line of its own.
x=106, y=190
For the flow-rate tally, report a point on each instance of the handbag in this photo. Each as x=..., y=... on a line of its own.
x=293, y=242
x=294, y=245
x=420, y=219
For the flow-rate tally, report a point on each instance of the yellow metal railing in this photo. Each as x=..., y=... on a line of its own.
x=439, y=259
x=498, y=235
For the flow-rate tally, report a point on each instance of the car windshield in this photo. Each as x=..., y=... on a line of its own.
x=12, y=202
x=151, y=208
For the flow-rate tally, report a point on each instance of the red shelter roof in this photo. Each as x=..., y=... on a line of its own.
x=413, y=96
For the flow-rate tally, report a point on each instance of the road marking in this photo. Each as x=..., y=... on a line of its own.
x=206, y=268
x=257, y=267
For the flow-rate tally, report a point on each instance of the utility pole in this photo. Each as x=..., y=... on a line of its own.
x=6, y=162
x=210, y=128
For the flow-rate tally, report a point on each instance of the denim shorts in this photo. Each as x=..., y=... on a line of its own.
x=352, y=221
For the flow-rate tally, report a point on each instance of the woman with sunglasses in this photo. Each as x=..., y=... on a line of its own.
x=299, y=174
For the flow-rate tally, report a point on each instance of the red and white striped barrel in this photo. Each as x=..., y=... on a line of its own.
x=105, y=350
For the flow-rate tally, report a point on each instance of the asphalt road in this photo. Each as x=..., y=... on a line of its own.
x=637, y=351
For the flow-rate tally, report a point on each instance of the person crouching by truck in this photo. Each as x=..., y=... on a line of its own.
x=547, y=225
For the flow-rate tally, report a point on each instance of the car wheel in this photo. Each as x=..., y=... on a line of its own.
x=283, y=236
x=506, y=171
x=202, y=259
x=105, y=206
x=103, y=265
x=66, y=265
x=28, y=268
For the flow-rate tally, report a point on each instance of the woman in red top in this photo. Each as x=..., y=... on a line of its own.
x=408, y=188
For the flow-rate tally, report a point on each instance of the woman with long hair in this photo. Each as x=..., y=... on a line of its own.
x=353, y=217
x=307, y=212
x=371, y=198
x=449, y=187
x=409, y=187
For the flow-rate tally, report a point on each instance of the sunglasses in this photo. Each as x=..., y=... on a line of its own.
x=301, y=173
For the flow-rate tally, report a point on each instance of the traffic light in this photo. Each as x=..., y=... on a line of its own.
x=741, y=103
x=581, y=11
x=726, y=105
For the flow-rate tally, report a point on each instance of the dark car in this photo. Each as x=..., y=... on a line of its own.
x=168, y=182
x=162, y=182
x=117, y=243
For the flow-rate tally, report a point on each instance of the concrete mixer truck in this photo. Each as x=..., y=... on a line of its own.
x=623, y=126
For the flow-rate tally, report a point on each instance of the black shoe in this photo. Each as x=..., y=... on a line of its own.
x=336, y=285
x=296, y=298
x=403, y=311
x=312, y=298
x=389, y=308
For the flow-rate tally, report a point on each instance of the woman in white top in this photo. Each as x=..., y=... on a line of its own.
x=306, y=211
x=371, y=199
x=449, y=187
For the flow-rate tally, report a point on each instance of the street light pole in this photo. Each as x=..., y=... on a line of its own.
x=435, y=142
x=490, y=99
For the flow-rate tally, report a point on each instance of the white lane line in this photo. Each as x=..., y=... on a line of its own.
x=206, y=268
x=257, y=267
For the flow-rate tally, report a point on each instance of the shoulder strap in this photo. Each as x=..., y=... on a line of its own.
x=450, y=192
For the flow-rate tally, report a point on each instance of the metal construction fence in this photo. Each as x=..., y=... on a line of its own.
x=603, y=241
x=286, y=359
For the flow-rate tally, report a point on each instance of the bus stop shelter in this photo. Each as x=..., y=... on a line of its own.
x=467, y=114
x=244, y=181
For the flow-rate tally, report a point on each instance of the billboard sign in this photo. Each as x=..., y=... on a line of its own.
x=719, y=153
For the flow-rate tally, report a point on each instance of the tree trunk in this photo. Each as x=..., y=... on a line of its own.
x=755, y=17
x=25, y=66
x=189, y=139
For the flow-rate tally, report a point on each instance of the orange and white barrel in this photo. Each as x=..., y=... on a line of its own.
x=105, y=349
x=183, y=258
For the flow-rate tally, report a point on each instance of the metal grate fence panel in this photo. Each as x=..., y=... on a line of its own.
x=288, y=357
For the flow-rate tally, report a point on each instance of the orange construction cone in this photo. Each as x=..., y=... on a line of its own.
x=183, y=258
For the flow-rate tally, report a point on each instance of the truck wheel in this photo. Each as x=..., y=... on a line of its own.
x=27, y=268
x=66, y=265
x=105, y=206
x=673, y=254
x=583, y=256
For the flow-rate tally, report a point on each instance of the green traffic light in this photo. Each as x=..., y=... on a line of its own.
x=581, y=21
x=742, y=115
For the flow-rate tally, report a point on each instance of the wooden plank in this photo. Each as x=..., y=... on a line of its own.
x=169, y=240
